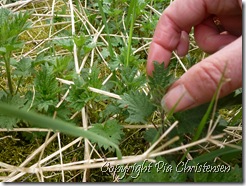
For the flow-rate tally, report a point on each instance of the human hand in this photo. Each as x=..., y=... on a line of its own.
x=199, y=83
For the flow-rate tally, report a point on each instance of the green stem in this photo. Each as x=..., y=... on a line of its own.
x=3, y=89
x=18, y=85
x=130, y=35
x=210, y=110
x=7, y=65
x=100, y=5
x=62, y=126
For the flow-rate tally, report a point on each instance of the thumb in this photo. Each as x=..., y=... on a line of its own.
x=199, y=83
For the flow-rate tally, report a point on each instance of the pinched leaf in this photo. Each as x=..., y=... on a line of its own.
x=162, y=77
x=160, y=81
x=138, y=106
x=111, y=130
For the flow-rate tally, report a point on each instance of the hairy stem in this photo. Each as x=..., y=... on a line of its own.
x=130, y=35
x=7, y=66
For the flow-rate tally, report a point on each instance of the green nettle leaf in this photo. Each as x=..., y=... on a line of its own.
x=138, y=106
x=111, y=109
x=3, y=50
x=55, y=124
x=151, y=135
x=190, y=119
x=61, y=65
x=7, y=122
x=160, y=81
x=234, y=175
x=131, y=78
x=105, y=53
x=46, y=88
x=11, y=25
x=111, y=130
x=65, y=43
x=15, y=46
x=87, y=48
x=79, y=40
x=24, y=67
x=93, y=78
x=19, y=102
x=79, y=94
x=4, y=13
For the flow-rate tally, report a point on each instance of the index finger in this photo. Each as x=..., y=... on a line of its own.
x=180, y=17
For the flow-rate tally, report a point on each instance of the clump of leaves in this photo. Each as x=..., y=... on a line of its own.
x=46, y=88
x=80, y=94
x=111, y=130
x=55, y=124
x=11, y=26
x=138, y=105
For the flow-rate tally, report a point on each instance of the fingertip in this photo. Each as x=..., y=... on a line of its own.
x=183, y=46
x=149, y=68
x=209, y=39
x=199, y=84
x=159, y=54
x=177, y=98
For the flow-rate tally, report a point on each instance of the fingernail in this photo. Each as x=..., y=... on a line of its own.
x=179, y=95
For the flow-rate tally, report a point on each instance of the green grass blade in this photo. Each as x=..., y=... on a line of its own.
x=208, y=112
x=211, y=155
x=210, y=108
x=130, y=12
x=132, y=15
x=204, y=120
x=57, y=125
x=100, y=5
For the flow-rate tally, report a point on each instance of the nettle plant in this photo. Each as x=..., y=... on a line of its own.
x=32, y=89
x=13, y=72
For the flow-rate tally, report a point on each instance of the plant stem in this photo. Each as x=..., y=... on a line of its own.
x=3, y=89
x=211, y=109
x=100, y=5
x=7, y=66
x=18, y=85
x=131, y=33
